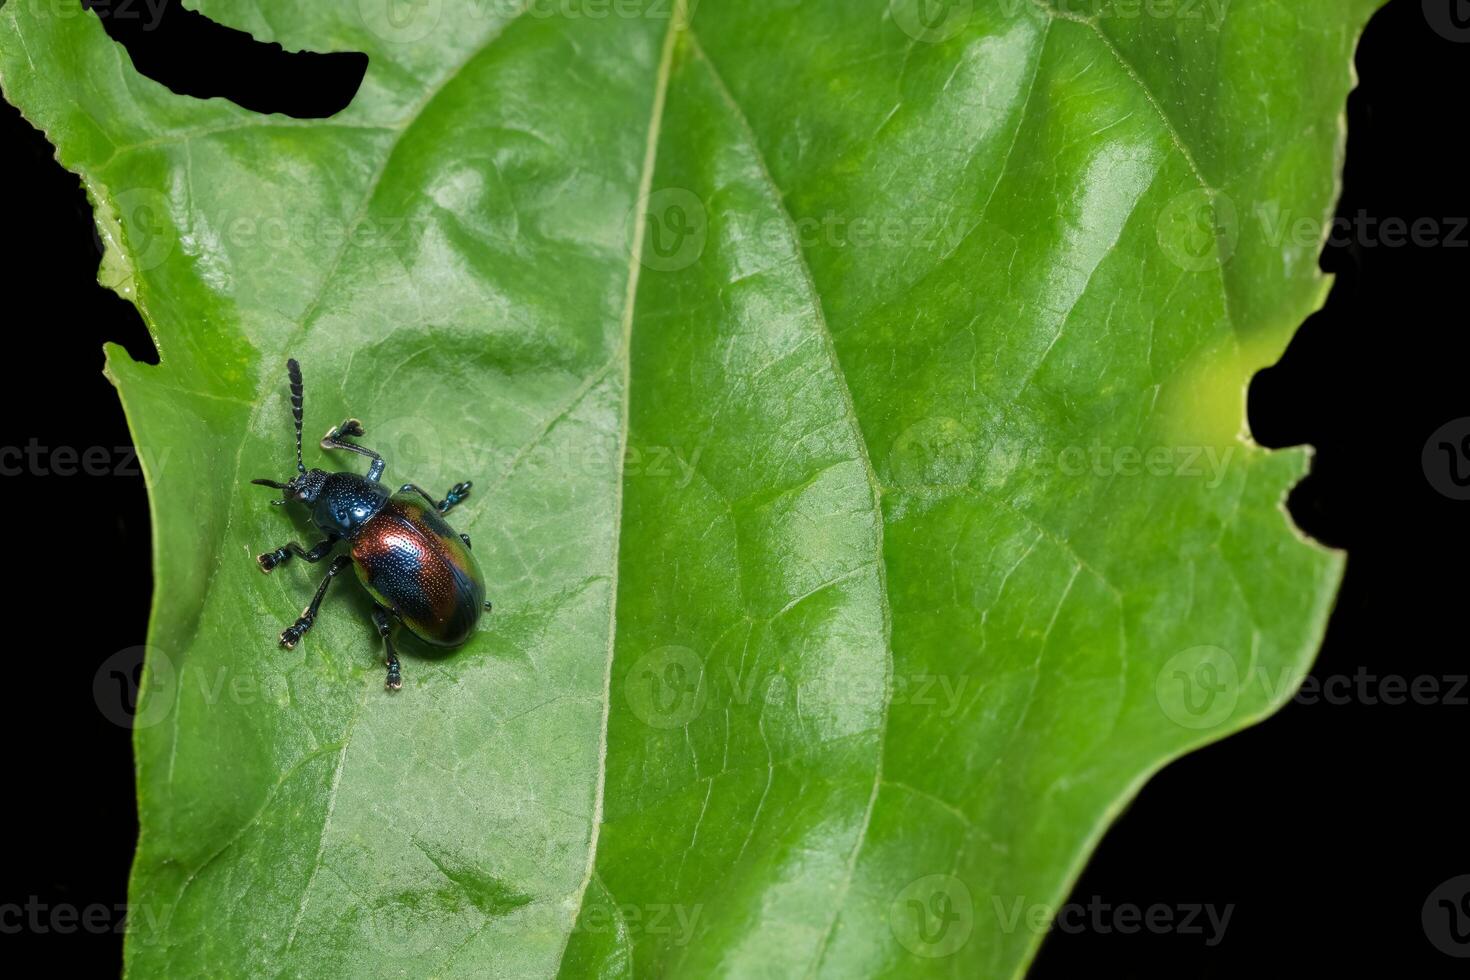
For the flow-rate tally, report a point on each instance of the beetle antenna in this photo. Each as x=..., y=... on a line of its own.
x=273, y=485
x=293, y=371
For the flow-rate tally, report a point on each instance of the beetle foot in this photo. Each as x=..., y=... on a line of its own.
x=292, y=634
x=271, y=559
x=350, y=428
x=395, y=679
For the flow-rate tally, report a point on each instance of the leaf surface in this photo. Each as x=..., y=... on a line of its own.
x=854, y=395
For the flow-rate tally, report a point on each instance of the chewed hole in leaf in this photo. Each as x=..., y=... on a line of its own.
x=196, y=56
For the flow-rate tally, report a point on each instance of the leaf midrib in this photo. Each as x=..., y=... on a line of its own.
x=630, y=299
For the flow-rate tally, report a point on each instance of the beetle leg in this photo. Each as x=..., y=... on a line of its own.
x=292, y=634
x=415, y=488
x=336, y=438
x=390, y=658
x=456, y=495
x=283, y=554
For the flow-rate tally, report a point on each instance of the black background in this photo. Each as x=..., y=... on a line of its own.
x=1325, y=827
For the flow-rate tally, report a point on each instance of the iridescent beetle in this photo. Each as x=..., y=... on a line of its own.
x=417, y=568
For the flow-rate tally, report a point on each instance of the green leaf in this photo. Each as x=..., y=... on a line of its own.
x=855, y=400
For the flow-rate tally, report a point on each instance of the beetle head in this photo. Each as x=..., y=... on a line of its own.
x=302, y=488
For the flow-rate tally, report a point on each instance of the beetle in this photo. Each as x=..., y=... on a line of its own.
x=419, y=571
